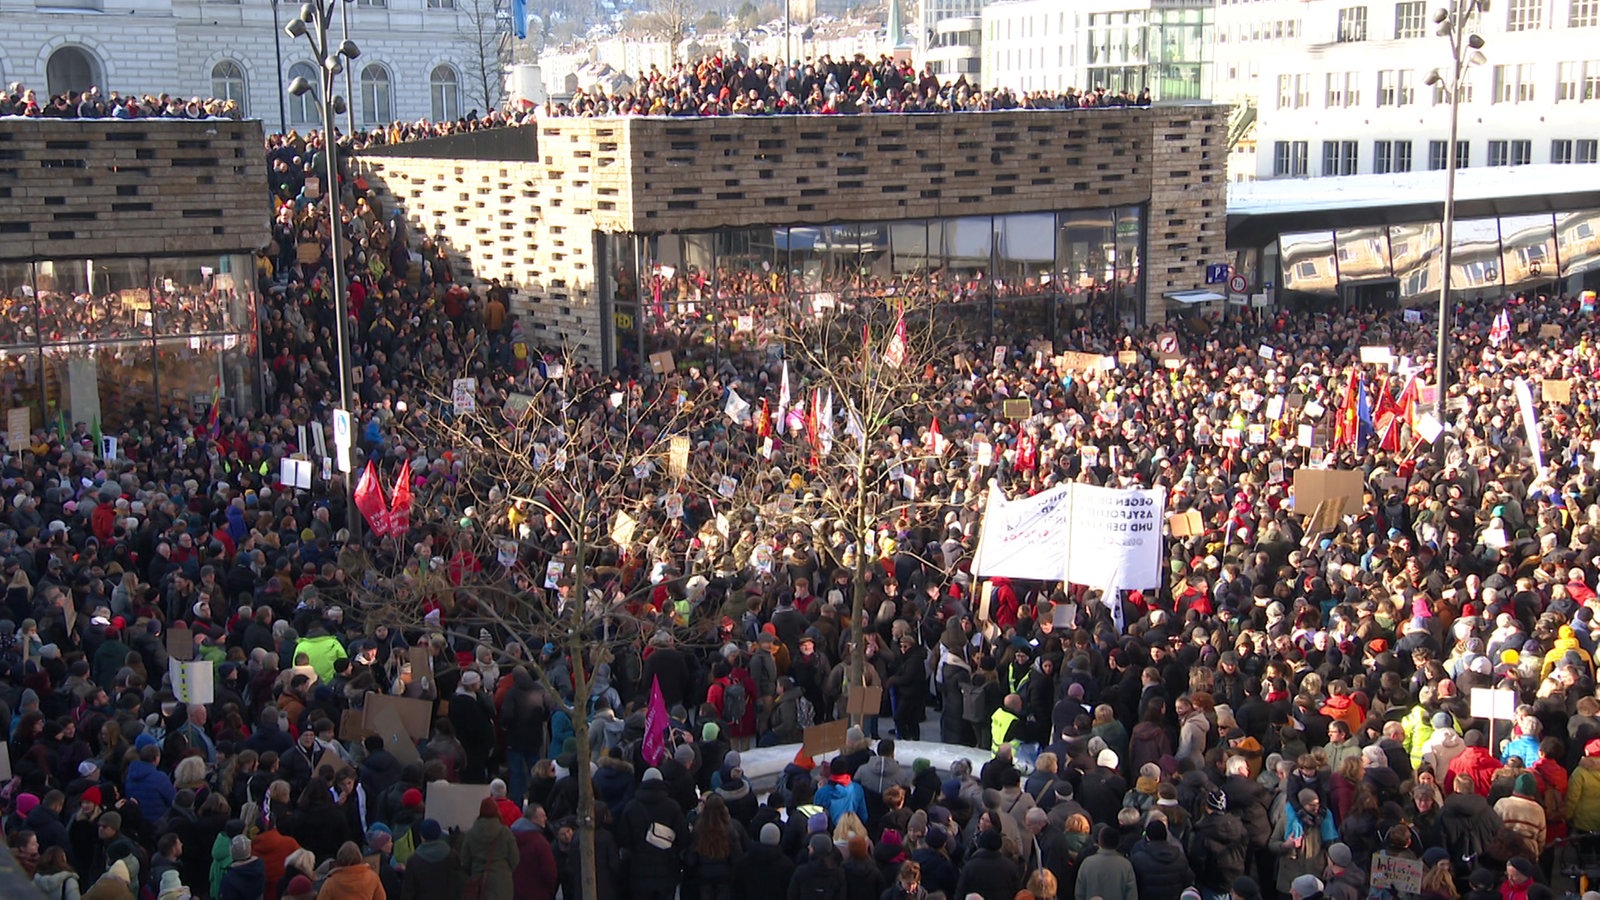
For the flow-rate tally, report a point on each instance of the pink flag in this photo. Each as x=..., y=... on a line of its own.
x=656, y=725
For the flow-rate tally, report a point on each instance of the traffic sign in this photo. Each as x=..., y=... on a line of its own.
x=1217, y=273
x=341, y=428
x=1238, y=284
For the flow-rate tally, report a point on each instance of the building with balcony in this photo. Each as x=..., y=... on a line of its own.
x=418, y=60
x=127, y=275
x=617, y=232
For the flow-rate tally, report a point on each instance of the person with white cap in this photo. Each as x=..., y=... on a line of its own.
x=472, y=716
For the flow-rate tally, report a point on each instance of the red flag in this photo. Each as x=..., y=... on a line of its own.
x=936, y=442
x=894, y=355
x=1349, y=423
x=1027, y=452
x=369, y=499
x=1386, y=420
x=1408, y=404
x=400, y=507
x=764, y=423
x=656, y=725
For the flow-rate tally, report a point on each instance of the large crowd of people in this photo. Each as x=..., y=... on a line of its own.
x=1289, y=715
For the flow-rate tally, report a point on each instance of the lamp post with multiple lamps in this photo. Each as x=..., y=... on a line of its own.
x=277, y=52
x=1466, y=51
x=312, y=24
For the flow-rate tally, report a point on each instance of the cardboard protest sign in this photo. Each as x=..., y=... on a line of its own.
x=1326, y=517
x=1549, y=331
x=1073, y=361
x=17, y=427
x=351, y=726
x=421, y=666
x=1557, y=390
x=1397, y=873
x=678, y=457
x=385, y=723
x=1186, y=524
x=623, y=528
x=1127, y=357
x=454, y=805
x=1017, y=408
x=864, y=700
x=180, y=643
x=1312, y=486
x=826, y=738
x=414, y=716
x=661, y=363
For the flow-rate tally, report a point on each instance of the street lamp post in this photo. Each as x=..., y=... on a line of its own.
x=277, y=51
x=1466, y=50
x=312, y=24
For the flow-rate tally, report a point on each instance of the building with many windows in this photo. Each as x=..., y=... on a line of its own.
x=1165, y=46
x=1344, y=90
x=418, y=57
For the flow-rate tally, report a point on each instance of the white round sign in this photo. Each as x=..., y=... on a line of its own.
x=1238, y=284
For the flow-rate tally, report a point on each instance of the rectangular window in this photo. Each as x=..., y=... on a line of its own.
x=1436, y=154
x=1352, y=89
x=1499, y=153
x=1567, y=76
x=1407, y=94
x=441, y=4
x=1402, y=156
x=1285, y=91
x=1583, y=14
x=1352, y=24
x=1560, y=151
x=1524, y=15
x=1386, y=87
x=1521, y=153
x=1411, y=19
x=1588, y=151
x=1339, y=157
x=1382, y=157
x=1289, y=159
x=1513, y=83
x=1591, y=81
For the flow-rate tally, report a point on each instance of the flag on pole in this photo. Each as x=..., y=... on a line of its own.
x=1345, y=427
x=853, y=427
x=894, y=355
x=825, y=424
x=936, y=442
x=369, y=499
x=99, y=438
x=784, y=399
x=1387, y=419
x=764, y=424
x=1501, y=329
x=656, y=725
x=214, y=419
x=519, y=19
x=1408, y=402
x=400, y=506
x=1364, y=429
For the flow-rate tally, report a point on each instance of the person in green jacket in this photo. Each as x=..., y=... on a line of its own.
x=1005, y=726
x=323, y=649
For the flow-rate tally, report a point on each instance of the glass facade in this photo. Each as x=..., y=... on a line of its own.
x=124, y=339
x=1034, y=273
x=1166, y=49
x=1507, y=253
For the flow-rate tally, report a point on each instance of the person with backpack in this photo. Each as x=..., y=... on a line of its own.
x=789, y=715
x=731, y=694
x=653, y=835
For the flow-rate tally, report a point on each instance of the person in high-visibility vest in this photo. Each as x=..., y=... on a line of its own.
x=1005, y=726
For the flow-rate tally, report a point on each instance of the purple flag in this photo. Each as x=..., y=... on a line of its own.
x=656, y=725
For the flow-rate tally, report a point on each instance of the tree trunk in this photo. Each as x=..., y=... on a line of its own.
x=589, y=884
x=856, y=670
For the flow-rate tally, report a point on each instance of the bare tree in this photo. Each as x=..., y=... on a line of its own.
x=489, y=38
x=672, y=19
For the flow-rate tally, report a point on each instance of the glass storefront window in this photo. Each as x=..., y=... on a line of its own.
x=1475, y=258
x=1578, y=241
x=1309, y=263
x=200, y=295
x=1529, y=249
x=107, y=382
x=1363, y=254
x=19, y=314
x=89, y=300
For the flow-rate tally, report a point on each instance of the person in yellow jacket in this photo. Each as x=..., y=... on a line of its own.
x=1566, y=642
x=1582, y=808
x=323, y=650
x=1005, y=726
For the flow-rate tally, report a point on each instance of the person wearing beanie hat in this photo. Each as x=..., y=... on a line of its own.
x=171, y=886
x=1160, y=866
x=489, y=851
x=411, y=799
x=246, y=873
x=432, y=869
x=987, y=872
x=1522, y=812
x=764, y=868
x=299, y=888
x=1306, y=887
x=1476, y=762
x=1106, y=873
x=653, y=834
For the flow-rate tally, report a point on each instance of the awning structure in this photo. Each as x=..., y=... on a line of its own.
x=1193, y=297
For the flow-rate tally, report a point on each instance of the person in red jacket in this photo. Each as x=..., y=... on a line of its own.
x=1475, y=762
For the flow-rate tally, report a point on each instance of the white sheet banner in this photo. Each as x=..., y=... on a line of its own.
x=1530, y=423
x=1025, y=538
x=1100, y=537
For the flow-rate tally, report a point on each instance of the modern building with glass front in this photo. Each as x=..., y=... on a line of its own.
x=624, y=235
x=1377, y=239
x=127, y=276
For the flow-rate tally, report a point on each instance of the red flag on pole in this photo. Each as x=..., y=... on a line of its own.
x=1349, y=423
x=894, y=355
x=369, y=499
x=400, y=506
x=656, y=725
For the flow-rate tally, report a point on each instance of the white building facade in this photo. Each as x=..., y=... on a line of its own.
x=418, y=57
x=1165, y=46
x=1348, y=94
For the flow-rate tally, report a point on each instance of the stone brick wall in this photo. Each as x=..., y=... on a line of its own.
x=532, y=223
x=73, y=189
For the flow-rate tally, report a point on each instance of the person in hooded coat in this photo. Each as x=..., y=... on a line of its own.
x=765, y=870
x=246, y=875
x=434, y=868
x=489, y=851
x=986, y=872
x=1159, y=865
x=653, y=833
x=536, y=876
x=822, y=875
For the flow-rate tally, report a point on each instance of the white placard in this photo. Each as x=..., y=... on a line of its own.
x=1119, y=547
x=1275, y=407
x=1266, y=352
x=553, y=571
x=674, y=505
x=108, y=448
x=1314, y=410
x=1493, y=703
x=1378, y=356
x=726, y=485
x=192, y=681
x=1412, y=316
x=295, y=473
x=1429, y=427
x=18, y=427
x=342, y=457
x=464, y=395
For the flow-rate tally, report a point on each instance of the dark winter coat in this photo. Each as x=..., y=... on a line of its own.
x=650, y=866
x=1161, y=869
x=990, y=875
x=821, y=878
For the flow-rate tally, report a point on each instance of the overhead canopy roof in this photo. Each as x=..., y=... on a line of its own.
x=1258, y=211
x=1188, y=297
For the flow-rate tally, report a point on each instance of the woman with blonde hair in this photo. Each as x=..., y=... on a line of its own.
x=1042, y=884
x=848, y=826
